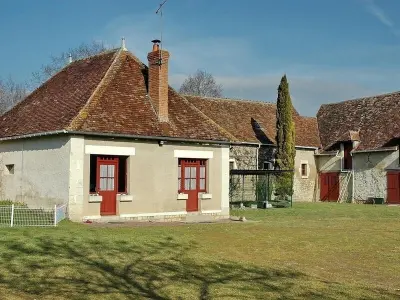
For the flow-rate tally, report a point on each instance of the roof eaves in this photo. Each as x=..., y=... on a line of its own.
x=143, y=137
x=33, y=135
x=384, y=149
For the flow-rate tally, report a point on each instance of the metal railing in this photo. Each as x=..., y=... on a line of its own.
x=16, y=215
x=261, y=188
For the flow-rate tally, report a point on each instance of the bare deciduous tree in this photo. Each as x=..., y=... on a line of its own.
x=201, y=84
x=58, y=62
x=10, y=94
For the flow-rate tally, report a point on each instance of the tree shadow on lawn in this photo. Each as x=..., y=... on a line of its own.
x=55, y=268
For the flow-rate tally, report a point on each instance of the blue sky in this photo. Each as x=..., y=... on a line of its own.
x=330, y=50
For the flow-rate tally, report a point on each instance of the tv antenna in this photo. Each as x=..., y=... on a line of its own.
x=160, y=11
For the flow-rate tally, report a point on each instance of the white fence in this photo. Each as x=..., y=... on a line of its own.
x=20, y=216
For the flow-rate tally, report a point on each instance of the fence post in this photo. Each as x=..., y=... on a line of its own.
x=55, y=214
x=268, y=194
x=12, y=215
x=291, y=189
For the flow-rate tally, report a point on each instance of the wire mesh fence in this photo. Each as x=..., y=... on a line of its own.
x=260, y=188
x=19, y=215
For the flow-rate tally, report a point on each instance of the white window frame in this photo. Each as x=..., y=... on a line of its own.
x=234, y=163
x=304, y=162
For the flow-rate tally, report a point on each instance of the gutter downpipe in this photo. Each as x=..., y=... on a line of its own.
x=257, y=152
x=352, y=177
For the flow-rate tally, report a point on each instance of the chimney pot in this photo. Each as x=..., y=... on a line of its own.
x=156, y=45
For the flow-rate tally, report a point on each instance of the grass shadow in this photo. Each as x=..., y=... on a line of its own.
x=91, y=268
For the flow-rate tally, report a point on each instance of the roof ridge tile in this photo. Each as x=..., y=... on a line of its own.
x=82, y=115
x=230, y=99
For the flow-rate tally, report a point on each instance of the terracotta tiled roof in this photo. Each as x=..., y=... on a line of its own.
x=252, y=121
x=374, y=121
x=54, y=105
x=105, y=93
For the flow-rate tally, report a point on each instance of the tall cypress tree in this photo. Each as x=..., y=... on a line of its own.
x=285, y=140
x=285, y=129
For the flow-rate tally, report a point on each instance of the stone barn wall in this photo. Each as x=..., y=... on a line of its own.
x=370, y=173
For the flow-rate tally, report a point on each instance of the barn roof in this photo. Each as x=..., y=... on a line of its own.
x=254, y=121
x=374, y=121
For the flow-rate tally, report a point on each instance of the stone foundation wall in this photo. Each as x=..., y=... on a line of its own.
x=196, y=217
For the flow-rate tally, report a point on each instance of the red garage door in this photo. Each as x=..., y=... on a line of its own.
x=329, y=183
x=393, y=187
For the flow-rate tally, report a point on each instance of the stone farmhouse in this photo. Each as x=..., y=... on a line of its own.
x=108, y=136
x=360, y=141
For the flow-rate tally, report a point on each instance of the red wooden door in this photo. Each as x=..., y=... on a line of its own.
x=329, y=186
x=193, y=181
x=107, y=184
x=393, y=187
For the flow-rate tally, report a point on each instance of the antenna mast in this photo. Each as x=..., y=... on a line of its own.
x=160, y=10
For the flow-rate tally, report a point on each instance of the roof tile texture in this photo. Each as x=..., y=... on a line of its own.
x=107, y=93
x=376, y=119
x=54, y=105
x=251, y=121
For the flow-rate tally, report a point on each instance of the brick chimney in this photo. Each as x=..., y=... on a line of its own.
x=158, y=80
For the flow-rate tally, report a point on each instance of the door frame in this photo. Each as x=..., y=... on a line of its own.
x=108, y=160
x=197, y=163
x=327, y=176
x=396, y=174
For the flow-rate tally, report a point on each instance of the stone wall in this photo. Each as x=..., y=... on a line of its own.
x=304, y=186
x=246, y=158
x=242, y=189
x=370, y=173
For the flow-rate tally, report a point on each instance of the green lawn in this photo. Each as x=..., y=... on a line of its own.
x=310, y=251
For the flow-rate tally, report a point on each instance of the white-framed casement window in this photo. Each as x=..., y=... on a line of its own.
x=232, y=164
x=304, y=169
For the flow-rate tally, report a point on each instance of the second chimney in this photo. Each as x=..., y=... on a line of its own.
x=158, y=80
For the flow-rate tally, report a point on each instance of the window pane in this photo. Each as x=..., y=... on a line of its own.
x=187, y=184
x=103, y=170
x=179, y=171
x=202, y=184
x=179, y=184
x=304, y=170
x=202, y=172
x=111, y=170
x=187, y=172
x=110, y=185
x=103, y=184
x=193, y=184
x=193, y=172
